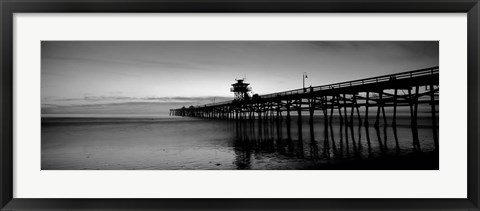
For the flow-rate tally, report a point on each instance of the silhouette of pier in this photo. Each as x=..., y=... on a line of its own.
x=346, y=101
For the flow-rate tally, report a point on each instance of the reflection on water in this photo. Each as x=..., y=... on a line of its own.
x=324, y=144
x=191, y=143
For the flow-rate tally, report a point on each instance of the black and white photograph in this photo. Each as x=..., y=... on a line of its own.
x=240, y=105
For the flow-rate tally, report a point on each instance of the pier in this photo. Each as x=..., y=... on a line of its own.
x=359, y=101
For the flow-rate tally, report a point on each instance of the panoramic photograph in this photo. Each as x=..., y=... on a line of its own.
x=240, y=105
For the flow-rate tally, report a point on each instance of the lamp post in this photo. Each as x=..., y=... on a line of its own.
x=303, y=77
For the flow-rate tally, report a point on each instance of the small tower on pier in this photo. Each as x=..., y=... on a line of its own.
x=241, y=90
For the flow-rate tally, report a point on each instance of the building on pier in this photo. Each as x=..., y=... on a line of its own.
x=241, y=90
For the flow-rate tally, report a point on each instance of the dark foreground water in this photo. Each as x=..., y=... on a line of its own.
x=177, y=143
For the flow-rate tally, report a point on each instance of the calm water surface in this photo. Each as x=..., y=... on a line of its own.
x=190, y=143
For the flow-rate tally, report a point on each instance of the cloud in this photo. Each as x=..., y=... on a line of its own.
x=130, y=62
x=49, y=102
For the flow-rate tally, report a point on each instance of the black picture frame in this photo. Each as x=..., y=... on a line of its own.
x=9, y=7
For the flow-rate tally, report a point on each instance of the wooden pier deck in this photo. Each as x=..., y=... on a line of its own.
x=406, y=89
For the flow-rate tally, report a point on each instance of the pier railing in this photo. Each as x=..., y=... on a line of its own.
x=372, y=80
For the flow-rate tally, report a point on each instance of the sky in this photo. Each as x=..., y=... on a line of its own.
x=90, y=77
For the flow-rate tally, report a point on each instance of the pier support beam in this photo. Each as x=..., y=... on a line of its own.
x=434, y=117
x=326, y=145
x=299, y=121
x=366, y=108
x=311, y=109
x=413, y=120
x=288, y=111
x=394, y=122
x=346, y=123
x=379, y=106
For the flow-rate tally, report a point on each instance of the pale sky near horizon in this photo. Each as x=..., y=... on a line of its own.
x=94, y=72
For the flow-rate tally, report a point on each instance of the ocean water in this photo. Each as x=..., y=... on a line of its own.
x=187, y=143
